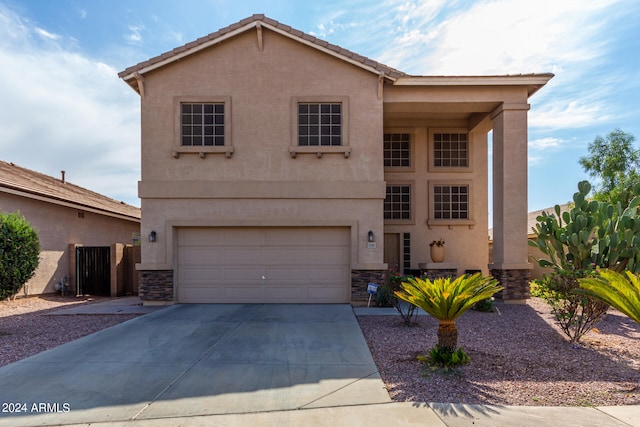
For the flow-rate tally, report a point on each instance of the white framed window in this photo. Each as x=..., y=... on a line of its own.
x=450, y=202
x=450, y=150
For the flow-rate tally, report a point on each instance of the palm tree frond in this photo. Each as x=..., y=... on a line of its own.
x=621, y=291
x=446, y=298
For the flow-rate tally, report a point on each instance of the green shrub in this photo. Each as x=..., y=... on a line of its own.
x=407, y=311
x=485, y=306
x=19, y=253
x=575, y=313
x=444, y=358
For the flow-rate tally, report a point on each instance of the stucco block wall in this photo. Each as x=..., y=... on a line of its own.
x=57, y=227
x=261, y=183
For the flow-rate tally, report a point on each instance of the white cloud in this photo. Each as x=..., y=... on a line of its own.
x=569, y=114
x=45, y=34
x=545, y=143
x=135, y=33
x=500, y=36
x=64, y=111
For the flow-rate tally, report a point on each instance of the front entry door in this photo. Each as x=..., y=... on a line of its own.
x=392, y=251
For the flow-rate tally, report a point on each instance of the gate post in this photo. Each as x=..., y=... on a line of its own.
x=73, y=283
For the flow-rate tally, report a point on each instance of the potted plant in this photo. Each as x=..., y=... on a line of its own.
x=436, y=249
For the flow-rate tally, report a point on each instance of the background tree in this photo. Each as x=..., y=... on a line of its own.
x=615, y=162
x=19, y=253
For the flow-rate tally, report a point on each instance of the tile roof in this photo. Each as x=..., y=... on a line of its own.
x=16, y=179
x=253, y=22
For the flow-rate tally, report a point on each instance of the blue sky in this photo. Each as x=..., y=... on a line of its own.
x=64, y=108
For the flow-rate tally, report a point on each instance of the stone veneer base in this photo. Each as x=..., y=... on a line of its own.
x=156, y=285
x=515, y=284
x=361, y=278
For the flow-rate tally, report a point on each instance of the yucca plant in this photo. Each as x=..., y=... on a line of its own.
x=446, y=299
x=619, y=290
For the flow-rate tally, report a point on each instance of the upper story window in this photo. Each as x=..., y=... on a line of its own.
x=202, y=124
x=397, y=150
x=397, y=203
x=451, y=202
x=450, y=150
x=319, y=124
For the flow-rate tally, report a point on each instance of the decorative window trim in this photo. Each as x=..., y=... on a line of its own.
x=202, y=151
x=412, y=145
x=320, y=150
x=458, y=169
x=431, y=221
x=412, y=201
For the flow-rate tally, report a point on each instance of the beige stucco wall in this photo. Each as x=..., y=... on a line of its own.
x=261, y=184
x=465, y=244
x=57, y=227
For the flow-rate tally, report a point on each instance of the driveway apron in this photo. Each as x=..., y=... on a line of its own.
x=198, y=359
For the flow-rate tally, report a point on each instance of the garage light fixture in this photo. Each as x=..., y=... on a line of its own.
x=152, y=236
x=371, y=237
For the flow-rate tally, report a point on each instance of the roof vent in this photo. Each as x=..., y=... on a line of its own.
x=62, y=172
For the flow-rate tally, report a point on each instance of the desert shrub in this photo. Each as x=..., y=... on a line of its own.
x=407, y=311
x=575, y=313
x=485, y=306
x=19, y=253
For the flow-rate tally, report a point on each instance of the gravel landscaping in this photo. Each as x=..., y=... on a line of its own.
x=27, y=328
x=518, y=355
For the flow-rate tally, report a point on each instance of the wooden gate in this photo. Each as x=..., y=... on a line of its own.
x=93, y=270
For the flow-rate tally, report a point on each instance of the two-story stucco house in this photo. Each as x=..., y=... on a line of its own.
x=277, y=167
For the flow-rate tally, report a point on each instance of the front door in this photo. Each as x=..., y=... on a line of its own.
x=392, y=251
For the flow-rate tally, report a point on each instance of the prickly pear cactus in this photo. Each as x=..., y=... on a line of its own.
x=591, y=234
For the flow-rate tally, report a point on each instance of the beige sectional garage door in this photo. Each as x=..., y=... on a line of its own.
x=264, y=265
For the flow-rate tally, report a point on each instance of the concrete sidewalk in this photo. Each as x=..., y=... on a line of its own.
x=407, y=414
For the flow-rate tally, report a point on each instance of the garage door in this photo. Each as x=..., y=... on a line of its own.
x=264, y=265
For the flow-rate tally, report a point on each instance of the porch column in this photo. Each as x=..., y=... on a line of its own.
x=510, y=255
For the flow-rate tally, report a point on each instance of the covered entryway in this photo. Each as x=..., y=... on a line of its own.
x=264, y=265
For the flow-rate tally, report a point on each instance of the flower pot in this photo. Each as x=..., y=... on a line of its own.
x=437, y=253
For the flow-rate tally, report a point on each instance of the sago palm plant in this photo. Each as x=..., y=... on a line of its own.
x=446, y=299
x=619, y=290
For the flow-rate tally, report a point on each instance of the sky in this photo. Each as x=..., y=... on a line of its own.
x=63, y=107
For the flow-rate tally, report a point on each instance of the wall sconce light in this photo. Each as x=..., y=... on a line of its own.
x=152, y=236
x=371, y=237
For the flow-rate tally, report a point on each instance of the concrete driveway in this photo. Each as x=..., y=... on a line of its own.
x=190, y=360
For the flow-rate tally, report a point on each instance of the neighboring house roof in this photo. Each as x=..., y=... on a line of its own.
x=27, y=183
x=532, y=221
x=132, y=75
x=532, y=218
